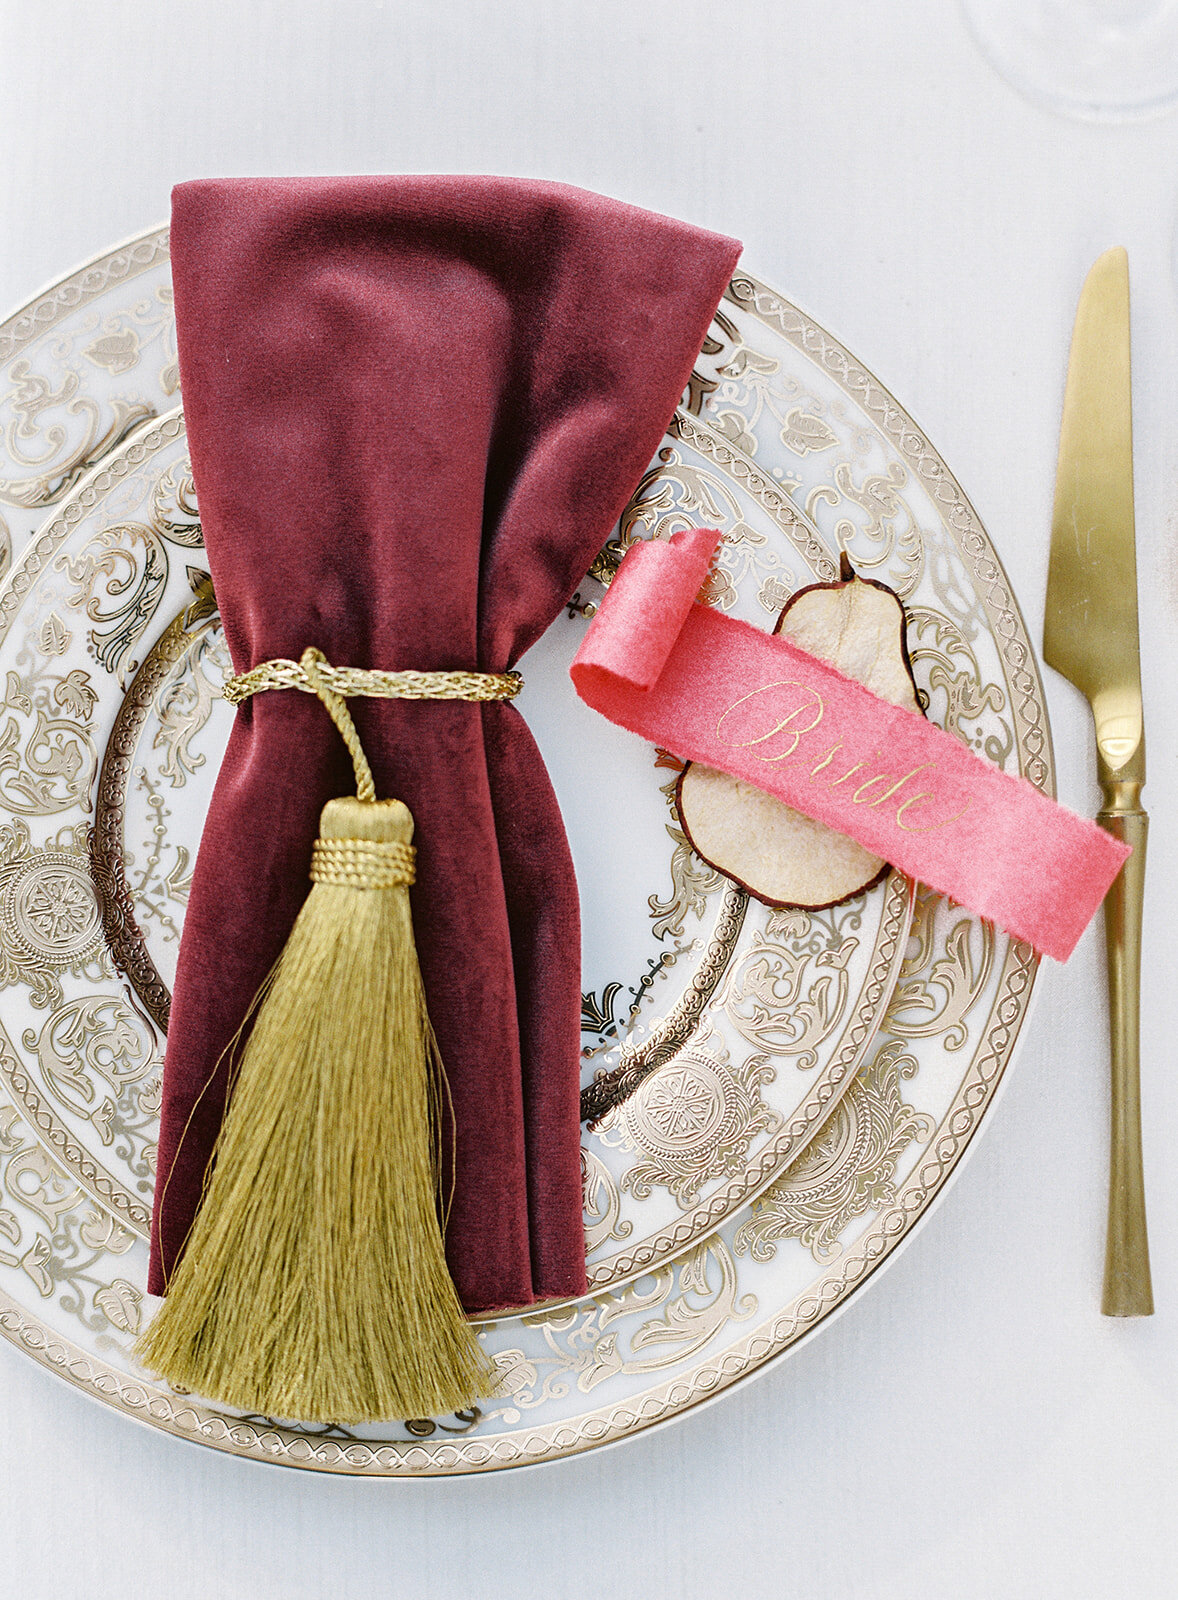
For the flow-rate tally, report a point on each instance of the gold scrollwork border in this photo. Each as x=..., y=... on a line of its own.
x=669, y=1034
x=769, y=496
x=94, y=1179
x=148, y=441
x=61, y=1144
x=137, y=254
x=116, y=905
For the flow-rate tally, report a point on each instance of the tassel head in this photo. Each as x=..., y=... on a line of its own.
x=364, y=844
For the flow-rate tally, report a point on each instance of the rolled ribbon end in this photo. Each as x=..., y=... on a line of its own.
x=646, y=606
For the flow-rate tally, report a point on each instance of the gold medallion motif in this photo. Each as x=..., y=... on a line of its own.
x=49, y=920
x=848, y=1169
x=694, y=1119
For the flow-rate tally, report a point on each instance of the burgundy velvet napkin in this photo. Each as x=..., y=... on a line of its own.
x=415, y=408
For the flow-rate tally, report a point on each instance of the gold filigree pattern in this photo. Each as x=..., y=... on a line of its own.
x=86, y=1043
x=960, y=699
x=768, y=494
x=848, y=1169
x=692, y=881
x=875, y=521
x=692, y=1120
x=59, y=1239
x=602, y=1202
x=54, y=428
x=92, y=279
x=666, y=1037
x=802, y=1124
x=130, y=1128
x=937, y=1002
x=695, y=1297
x=772, y=1007
x=188, y=702
x=89, y=1046
x=47, y=753
x=49, y=921
x=32, y=443
x=674, y=495
x=119, y=580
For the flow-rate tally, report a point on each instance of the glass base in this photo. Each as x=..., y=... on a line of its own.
x=1100, y=60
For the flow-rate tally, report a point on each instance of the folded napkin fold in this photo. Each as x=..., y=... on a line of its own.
x=415, y=408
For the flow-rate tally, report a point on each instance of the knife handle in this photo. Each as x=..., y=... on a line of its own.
x=1127, y=1288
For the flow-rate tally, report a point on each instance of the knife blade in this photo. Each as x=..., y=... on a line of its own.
x=1090, y=635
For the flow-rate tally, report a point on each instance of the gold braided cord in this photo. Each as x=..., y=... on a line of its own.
x=314, y=668
x=363, y=863
x=347, y=681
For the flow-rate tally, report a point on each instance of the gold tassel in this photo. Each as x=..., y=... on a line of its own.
x=314, y=1284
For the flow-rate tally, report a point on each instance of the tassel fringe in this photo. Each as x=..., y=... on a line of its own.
x=314, y=1285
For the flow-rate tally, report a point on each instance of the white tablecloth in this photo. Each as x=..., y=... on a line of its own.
x=971, y=1427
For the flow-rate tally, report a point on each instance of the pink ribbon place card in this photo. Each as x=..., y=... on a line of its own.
x=710, y=688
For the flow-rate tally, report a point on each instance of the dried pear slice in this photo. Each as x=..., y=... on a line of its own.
x=779, y=855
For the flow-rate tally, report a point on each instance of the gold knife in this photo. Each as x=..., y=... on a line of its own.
x=1090, y=636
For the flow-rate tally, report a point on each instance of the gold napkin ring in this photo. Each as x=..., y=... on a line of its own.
x=349, y=681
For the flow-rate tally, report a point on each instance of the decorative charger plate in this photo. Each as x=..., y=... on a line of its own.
x=801, y=1084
